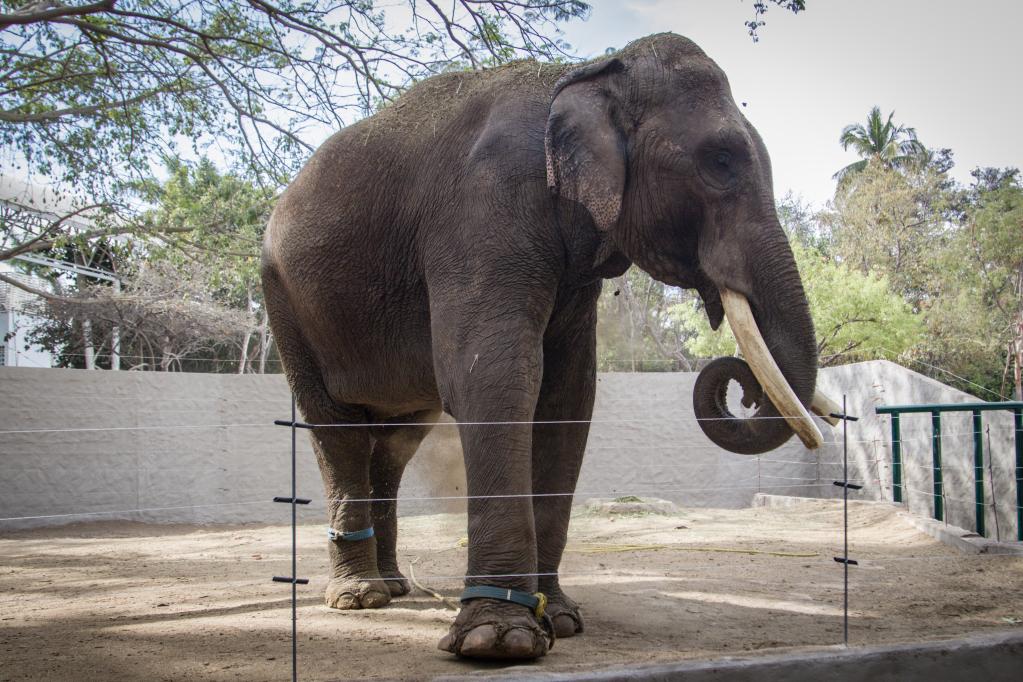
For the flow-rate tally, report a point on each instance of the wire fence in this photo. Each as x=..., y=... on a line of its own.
x=812, y=475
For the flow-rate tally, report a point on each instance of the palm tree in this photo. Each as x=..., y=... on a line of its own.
x=883, y=141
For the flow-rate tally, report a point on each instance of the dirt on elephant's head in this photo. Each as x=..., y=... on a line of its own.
x=429, y=103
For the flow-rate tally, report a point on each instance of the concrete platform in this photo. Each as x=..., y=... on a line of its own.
x=965, y=541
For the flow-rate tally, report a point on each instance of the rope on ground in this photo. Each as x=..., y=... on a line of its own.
x=447, y=601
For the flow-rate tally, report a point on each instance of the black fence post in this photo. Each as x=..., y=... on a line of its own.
x=846, y=487
x=294, y=500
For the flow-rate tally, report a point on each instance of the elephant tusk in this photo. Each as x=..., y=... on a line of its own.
x=765, y=369
x=824, y=407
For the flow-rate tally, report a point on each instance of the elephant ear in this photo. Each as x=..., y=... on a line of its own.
x=585, y=149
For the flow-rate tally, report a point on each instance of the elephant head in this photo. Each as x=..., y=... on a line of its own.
x=652, y=144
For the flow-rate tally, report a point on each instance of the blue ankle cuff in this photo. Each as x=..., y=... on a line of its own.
x=350, y=537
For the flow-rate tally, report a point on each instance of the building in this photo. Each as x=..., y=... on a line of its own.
x=18, y=317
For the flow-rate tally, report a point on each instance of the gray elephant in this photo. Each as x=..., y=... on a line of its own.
x=446, y=254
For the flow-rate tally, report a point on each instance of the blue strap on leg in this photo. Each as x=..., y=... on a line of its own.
x=337, y=535
x=537, y=602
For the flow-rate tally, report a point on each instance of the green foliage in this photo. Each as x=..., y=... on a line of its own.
x=191, y=296
x=856, y=315
x=892, y=221
x=954, y=255
x=95, y=93
x=977, y=320
x=702, y=341
x=211, y=218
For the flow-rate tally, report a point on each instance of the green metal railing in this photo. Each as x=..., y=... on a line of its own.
x=935, y=411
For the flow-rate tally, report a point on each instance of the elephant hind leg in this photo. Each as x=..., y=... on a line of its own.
x=392, y=450
x=342, y=450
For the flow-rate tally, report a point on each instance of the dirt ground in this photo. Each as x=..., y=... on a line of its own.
x=117, y=601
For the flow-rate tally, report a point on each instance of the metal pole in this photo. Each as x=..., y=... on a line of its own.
x=939, y=507
x=978, y=470
x=896, y=458
x=293, y=501
x=845, y=521
x=1018, y=418
x=294, y=548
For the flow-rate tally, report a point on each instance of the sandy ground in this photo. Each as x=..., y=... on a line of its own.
x=117, y=601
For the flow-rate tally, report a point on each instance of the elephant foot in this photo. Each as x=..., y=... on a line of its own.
x=352, y=593
x=497, y=630
x=565, y=616
x=397, y=583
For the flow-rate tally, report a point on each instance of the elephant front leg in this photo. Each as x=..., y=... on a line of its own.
x=490, y=386
x=566, y=398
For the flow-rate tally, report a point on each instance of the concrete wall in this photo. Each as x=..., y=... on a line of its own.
x=201, y=448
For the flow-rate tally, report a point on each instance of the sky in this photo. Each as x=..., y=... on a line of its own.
x=949, y=68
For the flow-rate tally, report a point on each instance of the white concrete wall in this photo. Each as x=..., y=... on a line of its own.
x=200, y=448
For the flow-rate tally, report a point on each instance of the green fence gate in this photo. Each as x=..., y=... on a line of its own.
x=935, y=411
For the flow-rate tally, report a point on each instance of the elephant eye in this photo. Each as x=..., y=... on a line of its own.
x=717, y=168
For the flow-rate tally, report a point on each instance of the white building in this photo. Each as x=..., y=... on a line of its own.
x=25, y=209
x=17, y=320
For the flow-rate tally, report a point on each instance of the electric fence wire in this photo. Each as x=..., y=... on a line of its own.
x=294, y=424
x=435, y=498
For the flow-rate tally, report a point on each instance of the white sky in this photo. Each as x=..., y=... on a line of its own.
x=949, y=68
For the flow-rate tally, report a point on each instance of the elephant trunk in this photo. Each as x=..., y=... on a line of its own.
x=775, y=334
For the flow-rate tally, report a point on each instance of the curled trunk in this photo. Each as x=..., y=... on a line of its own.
x=776, y=334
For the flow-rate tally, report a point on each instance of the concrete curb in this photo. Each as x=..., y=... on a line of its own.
x=786, y=501
x=964, y=540
x=991, y=658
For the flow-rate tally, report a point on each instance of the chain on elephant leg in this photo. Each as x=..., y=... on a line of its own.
x=563, y=611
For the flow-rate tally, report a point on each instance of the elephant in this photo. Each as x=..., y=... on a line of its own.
x=446, y=255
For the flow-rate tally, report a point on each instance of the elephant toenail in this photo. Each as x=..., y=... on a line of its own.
x=564, y=626
x=480, y=641
x=518, y=643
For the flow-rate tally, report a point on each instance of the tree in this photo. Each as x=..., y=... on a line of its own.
x=191, y=298
x=94, y=92
x=893, y=146
x=892, y=222
x=760, y=10
x=215, y=221
x=992, y=244
x=638, y=326
x=856, y=315
x=165, y=314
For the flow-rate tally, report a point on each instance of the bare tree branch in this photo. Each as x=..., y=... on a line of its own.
x=48, y=10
